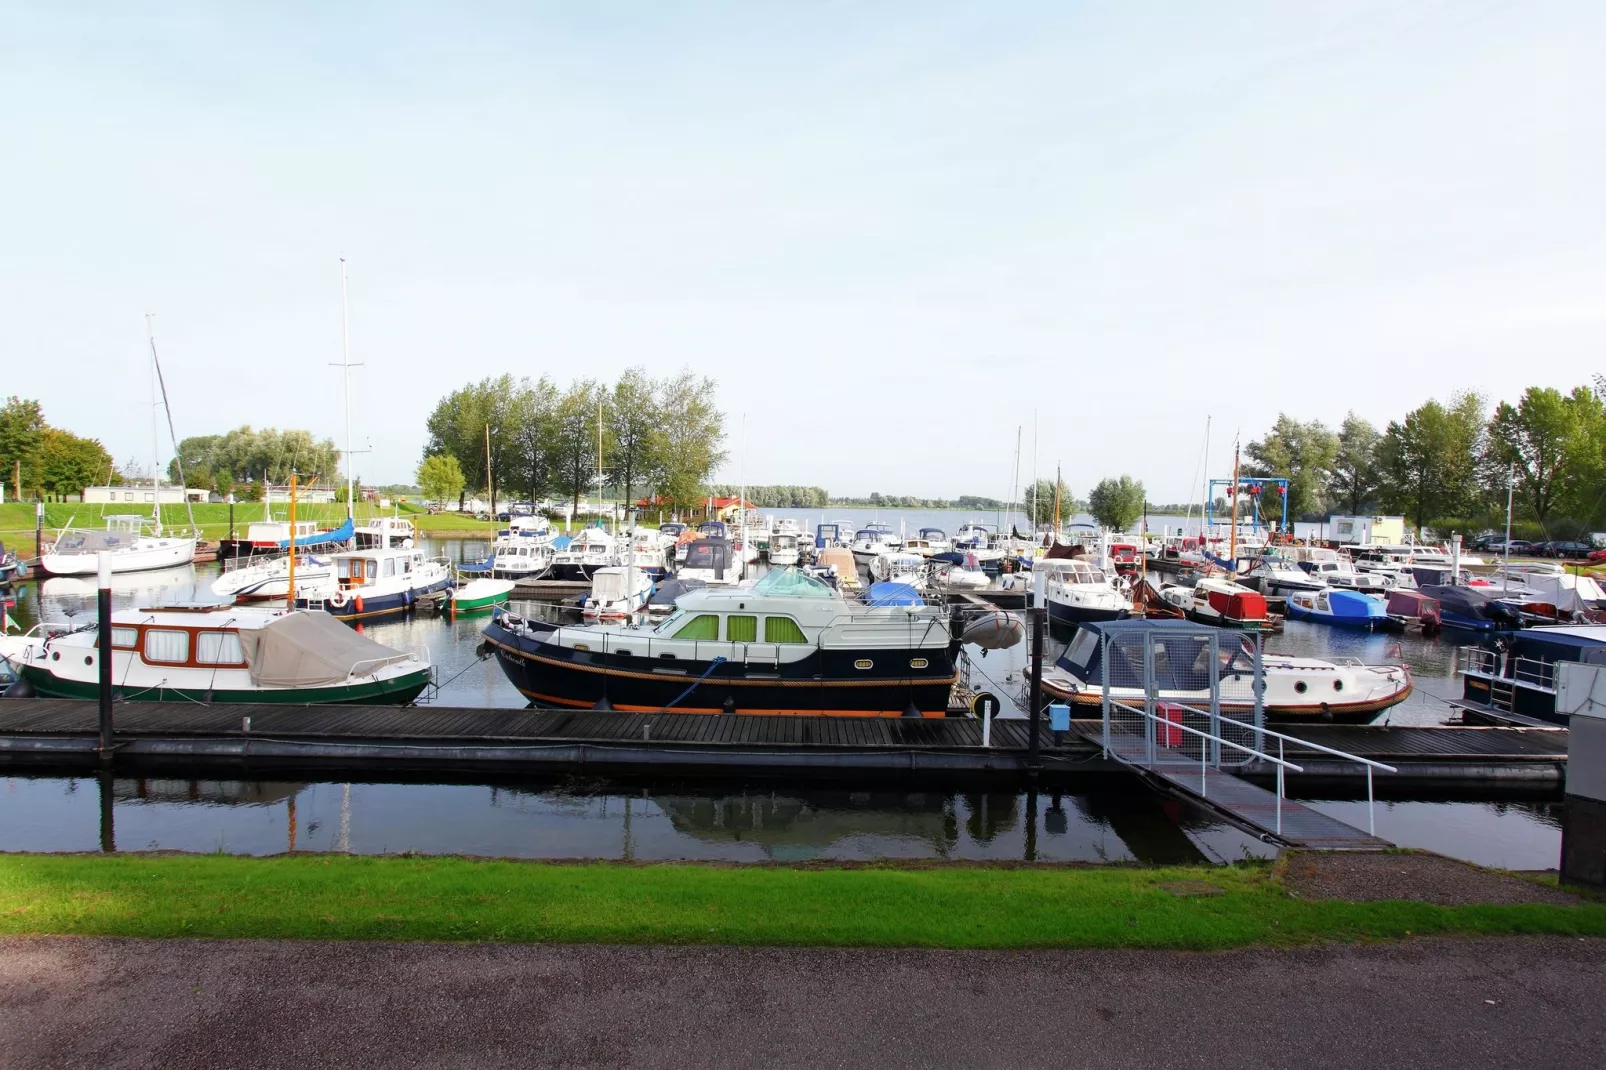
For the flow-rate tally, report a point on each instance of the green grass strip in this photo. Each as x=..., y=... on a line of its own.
x=401, y=898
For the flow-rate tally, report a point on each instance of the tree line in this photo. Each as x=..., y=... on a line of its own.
x=1450, y=464
x=237, y=461
x=777, y=496
x=37, y=458
x=531, y=437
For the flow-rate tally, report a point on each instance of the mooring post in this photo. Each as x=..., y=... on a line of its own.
x=103, y=565
x=108, y=829
x=38, y=534
x=1038, y=614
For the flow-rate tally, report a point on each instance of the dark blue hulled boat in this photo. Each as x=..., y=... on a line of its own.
x=1343, y=609
x=1518, y=682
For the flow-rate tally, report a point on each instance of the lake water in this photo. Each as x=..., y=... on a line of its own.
x=743, y=820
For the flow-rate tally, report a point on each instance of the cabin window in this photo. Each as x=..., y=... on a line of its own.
x=390, y=567
x=783, y=630
x=170, y=645
x=218, y=648
x=702, y=626
x=125, y=638
x=741, y=629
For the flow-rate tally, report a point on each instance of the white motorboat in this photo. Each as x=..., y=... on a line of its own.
x=783, y=549
x=713, y=562
x=520, y=557
x=586, y=551
x=646, y=553
x=270, y=578
x=933, y=541
x=210, y=654
x=899, y=566
x=1078, y=591
x=385, y=533
x=617, y=592
x=1277, y=576
x=372, y=583
x=871, y=541
x=1219, y=602
x=958, y=571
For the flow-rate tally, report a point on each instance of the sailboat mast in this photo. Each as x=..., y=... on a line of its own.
x=345, y=391
x=156, y=479
x=1232, y=543
x=1204, y=488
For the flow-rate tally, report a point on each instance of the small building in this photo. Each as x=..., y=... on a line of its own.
x=1366, y=530
x=726, y=509
x=141, y=494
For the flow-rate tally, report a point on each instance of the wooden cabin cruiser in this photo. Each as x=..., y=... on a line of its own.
x=1218, y=602
x=872, y=541
x=210, y=654
x=1277, y=576
x=1079, y=592
x=899, y=566
x=1342, y=609
x=385, y=533
x=786, y=644
x=136, y=544
x=1518, y=683
x=713, y=562
x=617, y=593
x=586, y=551
x=372, y=583
x=1297, y=689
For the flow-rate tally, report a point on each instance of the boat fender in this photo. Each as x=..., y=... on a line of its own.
x=407, y=598
x=338, y=599
x=357, y=603
x=985, y=704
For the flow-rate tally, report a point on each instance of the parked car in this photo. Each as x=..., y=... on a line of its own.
x=1564, y=548
x=1498, y=546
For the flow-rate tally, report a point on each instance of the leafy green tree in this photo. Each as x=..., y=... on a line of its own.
x=1303, y=454
x=22, y=425
x=1116, y=503
x=576, y=439
x=1040, y=499
x=1354, y=475
x=440, y=478
x=633, y=415
x=1429, y=460
x=1546, y=436
x=219, y=461
x=66, y=464
x=532, y=418
x=690, y=437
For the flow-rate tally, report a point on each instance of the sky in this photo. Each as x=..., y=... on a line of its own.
x=896, y=234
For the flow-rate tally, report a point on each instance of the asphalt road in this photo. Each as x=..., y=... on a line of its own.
x=182, y=1003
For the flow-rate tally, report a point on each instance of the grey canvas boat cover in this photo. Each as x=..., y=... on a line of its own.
x=309, y=649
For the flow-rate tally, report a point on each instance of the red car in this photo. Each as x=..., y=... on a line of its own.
x=1597, y=557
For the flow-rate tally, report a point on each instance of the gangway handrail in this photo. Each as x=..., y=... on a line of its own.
x=1206, y=735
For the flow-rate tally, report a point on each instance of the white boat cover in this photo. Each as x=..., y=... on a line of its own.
x=1570, y=594
x=308, y=649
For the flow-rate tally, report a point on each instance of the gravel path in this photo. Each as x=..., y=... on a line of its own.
x=188, y=1003
x=1422, y=878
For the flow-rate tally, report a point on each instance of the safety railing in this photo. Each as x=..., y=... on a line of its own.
x=1169, y=725
x=1491, y=664
x=1281, y=737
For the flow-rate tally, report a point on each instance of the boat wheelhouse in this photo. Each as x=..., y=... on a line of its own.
x=617, y=592
x=385, y=533
x=1518, y=683
x=210, y=654
x=713, y=562
x=899, y=566
x=1296, y=688
x=934, y=541
x=373, y=583
x=783, y=549
x=787, y=644
x=520, y=557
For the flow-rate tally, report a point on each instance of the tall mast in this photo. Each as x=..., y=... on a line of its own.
x=346, y=365
x=1204, y=488
x=1232, y=543
x=156, y=479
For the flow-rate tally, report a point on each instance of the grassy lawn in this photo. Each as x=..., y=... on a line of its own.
x=401, y=898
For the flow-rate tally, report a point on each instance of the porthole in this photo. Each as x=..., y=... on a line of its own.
x=864, y=663
x=1338, y=685
x=918, y=663
x=88, y=660
x=55, y=655
x=1299, y=687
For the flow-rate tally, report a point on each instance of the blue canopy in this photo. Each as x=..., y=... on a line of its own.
x=321, y=538
x=1354, y=605
x=949, y=557
x=887, y=593
x=561, y=542
x=483, y=566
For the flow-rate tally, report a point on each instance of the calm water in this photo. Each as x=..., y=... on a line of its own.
x=711, y=822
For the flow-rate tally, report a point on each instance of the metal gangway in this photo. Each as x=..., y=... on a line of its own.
x=1164, y=688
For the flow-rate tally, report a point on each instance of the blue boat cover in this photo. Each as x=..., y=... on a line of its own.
x=1352, y=605
x=483, y=566
x=321, y=538
x=561, y=542
x=887, y=593
x=949, y=557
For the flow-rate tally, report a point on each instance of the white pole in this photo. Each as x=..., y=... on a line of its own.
x=345, y=393
x=156, y=480
x=1511, y=485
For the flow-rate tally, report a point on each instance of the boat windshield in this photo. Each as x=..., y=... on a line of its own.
x=933, y=533
x=792, y=583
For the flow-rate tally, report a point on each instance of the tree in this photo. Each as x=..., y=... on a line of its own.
x=1430, y=462
x=243, y=454
x=633, y=416
x=1545, y=435
x=440, y=478
x=532, y=419
x=66, y=464
x=22, y=424
x=1040, y=500
x=575, y=441
x=1303, y=454
x=690, y=437
x=463, y=421
x=1354, y=477
x=1116, y=503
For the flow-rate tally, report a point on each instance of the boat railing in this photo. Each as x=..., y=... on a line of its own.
x=1283, y=737
x=1530, y=672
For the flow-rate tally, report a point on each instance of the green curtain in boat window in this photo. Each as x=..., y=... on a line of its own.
x=741, y=629
x=782, y=630
x=703, y=626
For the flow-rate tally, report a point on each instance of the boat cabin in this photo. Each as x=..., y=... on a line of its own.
x=385, y=533
x=1070, y=570
x=356, y=569
x=268, y=534
x=1519, y=683
x=713, y=529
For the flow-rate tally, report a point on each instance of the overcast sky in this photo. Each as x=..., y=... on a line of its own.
x=893, y=232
